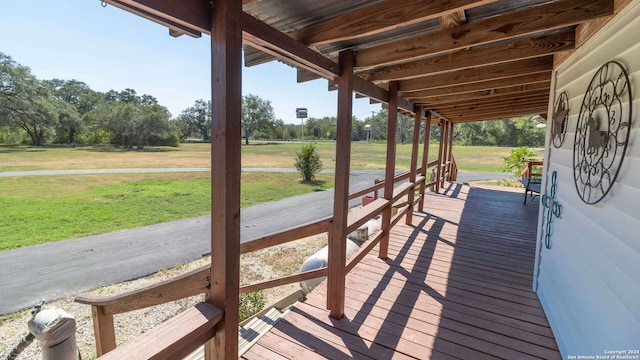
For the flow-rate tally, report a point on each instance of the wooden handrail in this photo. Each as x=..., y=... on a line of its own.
x=173, y=339
x=192, y=283
x=307, y=275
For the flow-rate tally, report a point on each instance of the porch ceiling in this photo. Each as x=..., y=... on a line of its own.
x=467, y=60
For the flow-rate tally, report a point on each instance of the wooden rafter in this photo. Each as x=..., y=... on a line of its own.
x=506, y=100
x=481, y=86
x=485, y=95
x=534, y=20
x=495, y=54
x=479, y=74
x=380, y=17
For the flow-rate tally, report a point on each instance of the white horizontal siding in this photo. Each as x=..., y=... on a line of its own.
x=589, y=281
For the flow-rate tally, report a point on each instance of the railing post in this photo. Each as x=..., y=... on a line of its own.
x=103, y=330
x=390, y=168
x=338, y=228
x=414, y=162
x=226, y=99
x=425, y=159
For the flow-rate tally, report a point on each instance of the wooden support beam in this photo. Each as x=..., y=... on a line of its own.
x=495, y=54
x=226, y=99
x=425, y=159
x=390, y=167
x=450, y=152
x=485, y=95
x=453, y=19
x=537, y=19
x=440, y=155
x=497, y=114
x=415, y=145
x=380, y=17
x=525, y=82
x=498, y=100
x=445, y=152
x=506, y=103
x=267, y=39
x=338, y=227
x=479, y=74
x=189, y=16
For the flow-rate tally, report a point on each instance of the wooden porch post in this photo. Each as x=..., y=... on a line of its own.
x=390, y=167
x=440, y=148
x=338, y=227
x=425, y=159
x=450, y=152
x=226, y=98
x=414, y=161
x=445, y=148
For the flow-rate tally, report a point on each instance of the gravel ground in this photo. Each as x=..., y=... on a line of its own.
x=260, y=265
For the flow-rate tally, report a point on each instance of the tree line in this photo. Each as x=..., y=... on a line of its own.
x=40, y=112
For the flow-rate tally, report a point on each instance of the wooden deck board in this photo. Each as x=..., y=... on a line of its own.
x=456, y=284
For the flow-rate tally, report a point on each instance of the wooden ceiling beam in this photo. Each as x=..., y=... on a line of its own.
x=479, y=74
x=495, y=113
x=552, y=16
x=519, y=99
x=489, y=55
x=509, y=114
x=480, y=86
x=483, y=95
x=278, y=44
x=380, y=17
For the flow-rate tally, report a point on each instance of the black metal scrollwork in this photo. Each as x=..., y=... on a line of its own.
x=602, y=132
x=560, y=119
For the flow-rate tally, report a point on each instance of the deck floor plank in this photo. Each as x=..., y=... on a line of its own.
x=456, y=284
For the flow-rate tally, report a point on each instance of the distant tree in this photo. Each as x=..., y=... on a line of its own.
x=257, y=115
x=404, y=128
x=149, y=120
x=80, y=100
x=25, y=102
x=197, y=118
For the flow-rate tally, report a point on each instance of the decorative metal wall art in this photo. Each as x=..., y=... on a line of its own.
x=602, y=132
x=554, y=209
x=560, y=119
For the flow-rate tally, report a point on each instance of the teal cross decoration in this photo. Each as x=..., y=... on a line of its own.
x=554, y=209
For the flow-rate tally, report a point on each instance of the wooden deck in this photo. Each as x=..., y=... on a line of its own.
x=457, y=284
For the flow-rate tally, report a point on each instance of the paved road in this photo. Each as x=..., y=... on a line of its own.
x=64, y=268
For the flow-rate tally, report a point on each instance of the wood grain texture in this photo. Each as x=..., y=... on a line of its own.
x=495, y=54
x=453, y=287
x=525, y=82
x=496, y=72
x=173, y=339
x=537, y=19
x=378, y=18
x=485, y=95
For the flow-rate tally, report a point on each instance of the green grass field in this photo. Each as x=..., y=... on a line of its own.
x=40, y=209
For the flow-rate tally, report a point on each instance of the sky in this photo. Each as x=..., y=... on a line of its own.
x=109, y=48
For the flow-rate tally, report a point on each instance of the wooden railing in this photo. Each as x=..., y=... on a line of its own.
x=196, y=282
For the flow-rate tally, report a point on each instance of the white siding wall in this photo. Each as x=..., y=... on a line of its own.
x=589, y=281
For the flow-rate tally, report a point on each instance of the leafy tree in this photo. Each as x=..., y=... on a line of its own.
x=26, y=102
x=80, y=99
x=149, y=120
x=196, y=119
x=257, y=115
x=404, y=128
x=308, y=162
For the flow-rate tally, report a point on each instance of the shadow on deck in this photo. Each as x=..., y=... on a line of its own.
x=457, y=284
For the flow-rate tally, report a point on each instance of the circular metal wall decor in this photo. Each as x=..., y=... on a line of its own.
x=560, y=119
x=602, y=132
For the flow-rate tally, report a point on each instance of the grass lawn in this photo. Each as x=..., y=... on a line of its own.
x=40, y=209
x=364, y=156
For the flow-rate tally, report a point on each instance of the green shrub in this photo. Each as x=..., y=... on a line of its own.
x=308, y=162
x=251, y=303
x=517, y=160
